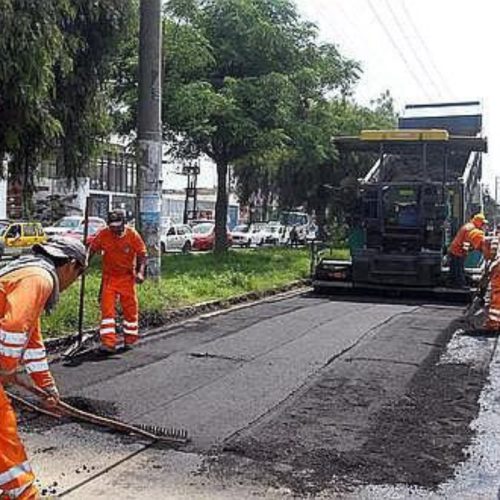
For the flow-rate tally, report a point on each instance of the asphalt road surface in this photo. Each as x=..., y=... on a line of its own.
x=315, y=397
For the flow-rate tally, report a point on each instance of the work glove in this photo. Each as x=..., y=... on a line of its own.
x=52, y=398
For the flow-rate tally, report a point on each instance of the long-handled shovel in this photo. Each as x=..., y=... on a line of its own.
x=82, y=338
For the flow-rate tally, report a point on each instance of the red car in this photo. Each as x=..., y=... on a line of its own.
x=78, y=233
x=204, y=236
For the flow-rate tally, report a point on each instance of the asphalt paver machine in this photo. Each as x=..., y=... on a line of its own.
x=425, y=183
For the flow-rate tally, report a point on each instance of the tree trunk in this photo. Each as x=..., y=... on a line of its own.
x=28, y=188
x=221, y=208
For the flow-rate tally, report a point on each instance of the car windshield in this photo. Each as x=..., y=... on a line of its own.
x=92, y=229
x=3, y=227
x=241, y=229
x=203, y=229
x=293, y=218
x=69, y=222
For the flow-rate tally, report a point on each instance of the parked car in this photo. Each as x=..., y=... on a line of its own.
x=78, y=233
x=247, y=235
x=204, y=236
x=276, y=234
x=242, y=236
x=17, y=238
x=72, y=223
x=177, y=237
x=260, y=231
x=197, y=222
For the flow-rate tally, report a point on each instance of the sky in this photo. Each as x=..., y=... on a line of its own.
x=422, y=51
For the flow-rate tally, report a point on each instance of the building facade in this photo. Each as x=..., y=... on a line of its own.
x=113, y=184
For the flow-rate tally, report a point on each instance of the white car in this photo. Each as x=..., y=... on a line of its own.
x=260, y=231
x=277, y=234
x=178, y=237
x=242, y=236
x=246, y=235
x=73, y=223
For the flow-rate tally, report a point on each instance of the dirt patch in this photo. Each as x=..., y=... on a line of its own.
x=416, y=438
x=94, y=406
x=35, y=421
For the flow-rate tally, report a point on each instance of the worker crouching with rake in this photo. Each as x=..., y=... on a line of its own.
x=28, y=286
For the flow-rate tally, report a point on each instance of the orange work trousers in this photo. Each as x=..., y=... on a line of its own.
x=16, y=476
x=120, y=288
x=493, y=318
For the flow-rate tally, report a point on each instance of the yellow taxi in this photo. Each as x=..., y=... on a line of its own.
x=17, y=238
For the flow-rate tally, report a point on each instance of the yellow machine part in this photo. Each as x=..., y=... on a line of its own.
x=405, y=135
x=435, y=135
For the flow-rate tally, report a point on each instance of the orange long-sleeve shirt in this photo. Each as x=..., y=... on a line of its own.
x=119, y=252
x=23, y=295
x=469, y=237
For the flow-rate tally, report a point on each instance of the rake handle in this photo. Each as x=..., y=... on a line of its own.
x=31, y=406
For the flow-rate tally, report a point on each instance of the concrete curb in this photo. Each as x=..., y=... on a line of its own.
x=151, y=321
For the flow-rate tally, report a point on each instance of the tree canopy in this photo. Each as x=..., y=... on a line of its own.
x=55, y=80
x=257, y=83
x=246, y=82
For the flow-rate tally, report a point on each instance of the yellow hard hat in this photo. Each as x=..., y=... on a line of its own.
x=479, y=219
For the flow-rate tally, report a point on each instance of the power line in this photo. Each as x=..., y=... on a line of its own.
x=426, y=48
x=338, y=31
x=398, y=50
x=353, y=43
x=412, y=48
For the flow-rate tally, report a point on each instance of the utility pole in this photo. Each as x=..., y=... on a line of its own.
x=149, y=135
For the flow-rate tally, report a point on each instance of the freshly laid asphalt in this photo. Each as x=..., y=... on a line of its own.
x=260, y=390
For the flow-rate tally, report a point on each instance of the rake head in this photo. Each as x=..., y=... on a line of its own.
x=171, y=434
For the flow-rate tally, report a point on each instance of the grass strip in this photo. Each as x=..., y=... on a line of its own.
x=190, y=279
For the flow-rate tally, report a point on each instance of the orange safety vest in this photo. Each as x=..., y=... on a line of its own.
x=490, y=247
x=468, y=237
x=119, y=252
x=23, y=296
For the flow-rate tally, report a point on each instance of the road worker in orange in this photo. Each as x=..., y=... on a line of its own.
x=124, y=262
x=470, y=236
x=492, y=294
x=28, y=286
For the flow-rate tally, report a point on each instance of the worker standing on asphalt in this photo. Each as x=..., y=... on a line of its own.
x=471, y=236
x=28, y=286
x=124, y=263
x=492, y=292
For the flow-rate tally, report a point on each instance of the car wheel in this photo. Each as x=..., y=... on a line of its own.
x=261, y=243
x=163, y=248
x=187, y=247
x=249, y=243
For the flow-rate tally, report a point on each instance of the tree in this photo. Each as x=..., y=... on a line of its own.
x=258, y=66
x=85, y=101
x=55, y=82
x=31, y=44
x=308, y=171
